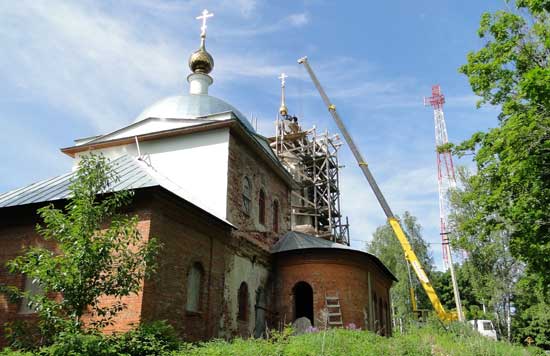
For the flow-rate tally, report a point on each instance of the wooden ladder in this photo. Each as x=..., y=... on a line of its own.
x=334, y=311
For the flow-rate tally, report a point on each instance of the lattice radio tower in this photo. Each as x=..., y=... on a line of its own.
x=446, y=181
x=445, y=169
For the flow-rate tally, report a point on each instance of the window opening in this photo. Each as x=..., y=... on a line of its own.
x=247, y=195
x=32, y=286
x=261, y=207
x=194, y=288
x=303, y=301
x=243, y=302
x=276, y=216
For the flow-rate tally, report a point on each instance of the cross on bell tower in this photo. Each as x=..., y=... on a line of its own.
x=283, y=109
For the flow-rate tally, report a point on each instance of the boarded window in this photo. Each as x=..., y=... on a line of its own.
x=276, y=216
x=243, y=302
x=247, y=195
x=32, y=287
x=194, y=288
x=261, y=207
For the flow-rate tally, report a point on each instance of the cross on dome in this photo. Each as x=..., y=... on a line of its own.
x=201, y=61
x=283, y=109
x=205, y=15
x=283, y=76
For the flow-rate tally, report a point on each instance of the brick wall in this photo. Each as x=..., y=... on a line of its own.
x=13, y=239
x=243, y=161
x=333, y=272
x=17, y=231
x=188, y=237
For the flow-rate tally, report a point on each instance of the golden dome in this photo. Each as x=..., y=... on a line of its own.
x=201, y=61
x=283, y=110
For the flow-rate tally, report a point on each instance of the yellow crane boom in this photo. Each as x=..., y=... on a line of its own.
x=410, y=256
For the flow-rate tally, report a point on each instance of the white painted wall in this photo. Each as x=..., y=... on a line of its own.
x=255, y=275
x=198, y=163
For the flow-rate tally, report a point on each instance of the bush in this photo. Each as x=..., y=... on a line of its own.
x=73, y=344
x=155, y=339
x=159, y=339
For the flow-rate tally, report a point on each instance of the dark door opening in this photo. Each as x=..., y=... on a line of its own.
x=303, y=301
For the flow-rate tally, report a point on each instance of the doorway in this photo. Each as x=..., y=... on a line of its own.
x=303, y=301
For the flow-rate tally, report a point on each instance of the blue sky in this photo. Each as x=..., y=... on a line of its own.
x=73, y=69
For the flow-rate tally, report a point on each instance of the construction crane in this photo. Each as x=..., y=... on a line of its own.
x=410, y=256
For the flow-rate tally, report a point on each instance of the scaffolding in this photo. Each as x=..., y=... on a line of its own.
x=312, y=160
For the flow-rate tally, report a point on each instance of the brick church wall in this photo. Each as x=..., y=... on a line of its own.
x=243, y=161
x=18, y=231
x=333, y=272
x=188, y=237
x=250, y=261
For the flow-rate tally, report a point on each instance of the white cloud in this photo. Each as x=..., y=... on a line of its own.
x=246, y=7
x=83, y=61
x=298, y=20
x=101, y=67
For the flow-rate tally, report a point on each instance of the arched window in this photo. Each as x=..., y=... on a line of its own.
x=275, y=216
x=32, y=286
x=194, y=288
x=243, y=302
x=247, y=195
x=261, y=207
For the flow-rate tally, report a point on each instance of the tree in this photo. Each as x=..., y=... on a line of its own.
x=504, y=216
x=466, y=276
x=490, y=267
x=532, y=318
x=511, y=189
x=387, y=248
x=99, y=252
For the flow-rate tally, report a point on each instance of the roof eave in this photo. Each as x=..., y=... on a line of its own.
x=73, y=150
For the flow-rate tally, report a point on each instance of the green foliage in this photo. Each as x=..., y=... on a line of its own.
x=489, y=275
x=98, y=252
x=467, y=277
x=157, y=338
x=502, y=216
x=533, y=312
x=432, y=339
x=446, y=147
x=511, y=190
x=74, y=344
x=387, y=248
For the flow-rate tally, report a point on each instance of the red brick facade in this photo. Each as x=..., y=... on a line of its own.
x=244, y=162
x=335, y=272
x=187, y=234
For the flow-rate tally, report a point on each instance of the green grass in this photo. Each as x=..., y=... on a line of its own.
x=431, y=339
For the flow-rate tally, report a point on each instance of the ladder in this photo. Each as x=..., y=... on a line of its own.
x=334, y=311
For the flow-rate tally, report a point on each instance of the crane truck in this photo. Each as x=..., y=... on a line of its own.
x=410, y=256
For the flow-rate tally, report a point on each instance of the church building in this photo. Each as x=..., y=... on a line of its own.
x=250, y=225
